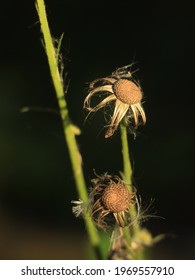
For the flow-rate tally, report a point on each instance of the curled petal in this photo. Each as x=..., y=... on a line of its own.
x=104, y=102
x=142, y=113
x=103, y=80
x=119, y=112
x=135, y=114
x=87, y=100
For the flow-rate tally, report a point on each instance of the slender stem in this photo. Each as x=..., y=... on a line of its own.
x=127, y=176
x=68, y=128
x=127, y=168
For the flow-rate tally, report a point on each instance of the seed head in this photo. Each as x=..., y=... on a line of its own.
x=109, y=202
x=116, y=198
x=127, y=91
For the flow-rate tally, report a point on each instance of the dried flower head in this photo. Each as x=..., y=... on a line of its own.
x=121, y=89
x=109, y=202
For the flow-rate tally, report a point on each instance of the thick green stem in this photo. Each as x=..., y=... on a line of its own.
x=69, y=130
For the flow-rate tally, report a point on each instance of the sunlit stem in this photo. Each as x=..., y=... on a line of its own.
x=69, y=131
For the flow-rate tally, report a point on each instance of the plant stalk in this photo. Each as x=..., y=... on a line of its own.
x=69, y=131
x=127, y=177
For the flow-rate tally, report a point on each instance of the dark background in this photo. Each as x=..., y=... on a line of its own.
x=36, y=181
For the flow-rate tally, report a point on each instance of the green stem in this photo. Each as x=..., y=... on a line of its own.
x=127, y=176
x=127, y=168
x=68, y=128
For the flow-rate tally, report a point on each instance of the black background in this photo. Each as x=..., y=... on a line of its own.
x=36, y=181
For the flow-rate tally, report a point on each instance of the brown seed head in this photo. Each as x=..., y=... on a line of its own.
x=127, y=91
x=116, y=198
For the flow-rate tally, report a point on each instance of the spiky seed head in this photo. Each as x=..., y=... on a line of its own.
x=127, y=91
x=116, y=198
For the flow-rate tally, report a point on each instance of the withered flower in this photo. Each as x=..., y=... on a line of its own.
x=109, y=202
x=122, y=91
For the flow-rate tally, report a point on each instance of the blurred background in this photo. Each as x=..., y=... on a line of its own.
x=36, y=181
